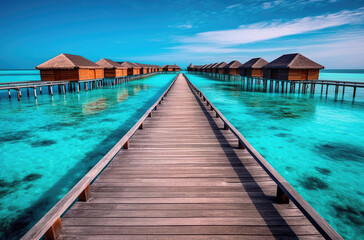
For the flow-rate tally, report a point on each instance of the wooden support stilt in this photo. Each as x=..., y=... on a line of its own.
x=9, y=93
x=40, y=91
x=327, y=89
x=28, y=92
x=226, y=127
x=282, y=198
x=63, y=89
x=126, y=145
x=19, y=93
x=354, y=92
x=54, y=231
x=78, y=87
x=51, y=90
x=141, y=126
x=35, y=92
x=85, y=194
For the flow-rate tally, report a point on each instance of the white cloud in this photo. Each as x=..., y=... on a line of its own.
x=275, y=29
x=234, y=6
x=182, y=26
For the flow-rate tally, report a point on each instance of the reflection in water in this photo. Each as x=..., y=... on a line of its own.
x=94, y=107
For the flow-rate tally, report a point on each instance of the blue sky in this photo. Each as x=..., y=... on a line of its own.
x=330, y=32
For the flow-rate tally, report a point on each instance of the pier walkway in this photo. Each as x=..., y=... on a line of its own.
x=184, y=176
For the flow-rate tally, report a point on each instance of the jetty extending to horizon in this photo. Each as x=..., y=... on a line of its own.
x=182, y=171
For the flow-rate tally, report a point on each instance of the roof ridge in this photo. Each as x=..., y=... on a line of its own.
x=294, y=59
x=68, y=59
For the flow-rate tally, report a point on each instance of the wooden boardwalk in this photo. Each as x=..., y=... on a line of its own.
x=183, y=177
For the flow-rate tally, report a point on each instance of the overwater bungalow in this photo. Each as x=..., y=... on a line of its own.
x=144, y=68
x=190, y=67
x=253, y=67
x=69, y=67
x=215, y=69
x=112, y=69
x=293, y=66
x=232, y=68
x=132, y=69
x=209, y=68
x=221, y=68
x=171, y=68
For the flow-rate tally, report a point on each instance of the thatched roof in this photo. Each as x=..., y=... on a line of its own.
x=191, y=66
x=109, y=64
x=254, y=63
x=213, y=65
x=171, y=66
x=67, y=61
x=233, y=64
x=293, y=61
x=128, y=65
x=221, y=65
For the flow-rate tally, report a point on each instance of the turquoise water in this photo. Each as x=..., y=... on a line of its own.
x=350, y=75
x=316, y=143
x=48, y=144
x=19, y=75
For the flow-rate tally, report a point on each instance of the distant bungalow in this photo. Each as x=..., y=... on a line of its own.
x=253, y=67
x=211, y=67
x=132, y=69
x=232, y=68
x=111, y=68
x=292, y=67
x=144, y=68
x=221, y=68
x=69, y=67
x=190, y=67
x=171, y=68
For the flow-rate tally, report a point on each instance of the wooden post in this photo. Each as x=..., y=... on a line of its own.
x=226, y=127
x=78, y=87
x=19, y=93
x=9, y=93
x=354, y=92
x=55, y=231
x=211, y=108
x=282, y=198
x=217, y=115
x=327, y=89
x=126, y=145
x=240, y=145
x=35, y=92
x=40, y=91
x=86, y=87
x=141, y=126
x=150, y=114
x=85, y=194
x=28, y=92
x=51, y=89
x=64, y=89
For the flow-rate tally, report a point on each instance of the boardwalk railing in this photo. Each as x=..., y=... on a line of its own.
x=50, y=224
x=291, y=86
x=63, y=85
x=285, y=191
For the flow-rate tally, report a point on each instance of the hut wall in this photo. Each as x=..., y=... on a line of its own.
x=57, y=75
x=120, y=72
x=256, y=72
x=136, y=71
x=234, y=71
x=303, y=74
x=221, y=71
x=130, y=71
x=47, y=75
x=99, y=73
x=110, y=73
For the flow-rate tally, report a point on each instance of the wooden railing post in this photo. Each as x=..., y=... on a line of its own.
x=141, y=126
x=85, y=194
x=240, y=145
x=54, y=231
x=150, y=114
x=226, y=127
x=282, y=198
x=126, y=145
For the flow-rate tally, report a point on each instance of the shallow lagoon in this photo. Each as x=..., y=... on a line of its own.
x=316, y=143
x=47, y=145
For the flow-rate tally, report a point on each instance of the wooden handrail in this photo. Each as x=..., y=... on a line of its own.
x=52, y=217
x=319, y=222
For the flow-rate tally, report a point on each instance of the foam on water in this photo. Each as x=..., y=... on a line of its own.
x=317, y=144
x=48, y=144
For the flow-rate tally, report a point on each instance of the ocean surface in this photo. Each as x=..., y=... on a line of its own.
x=48, y=144
x=314, y=142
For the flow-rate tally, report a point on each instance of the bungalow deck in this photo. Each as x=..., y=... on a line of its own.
x=184, y=173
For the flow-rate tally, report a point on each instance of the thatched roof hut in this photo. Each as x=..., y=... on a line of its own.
x=221, y=68
x=133, y=69
x=293, y=66
x=171, y=68
x=69, y=67
x=253, y=67
x=111, y=68
x=209, y=68
x=232, y=68
x=190, y=67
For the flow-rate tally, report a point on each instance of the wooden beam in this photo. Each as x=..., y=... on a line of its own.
x=85, y=194
x=54, y=231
